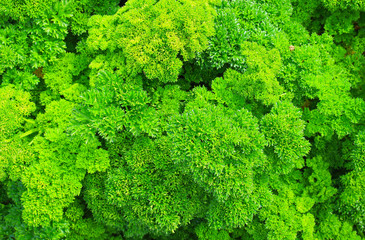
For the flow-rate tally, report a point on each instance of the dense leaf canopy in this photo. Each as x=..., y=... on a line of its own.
x=182, y=119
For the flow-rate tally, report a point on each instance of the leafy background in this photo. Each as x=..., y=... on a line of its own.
x=189, y=119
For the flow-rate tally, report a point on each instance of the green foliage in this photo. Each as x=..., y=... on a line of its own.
x=182, y=119
x=241, y=21
x=77, y=11
x=313, y=75
x=352, y=201
x=150, y=191
x=284, y=131
x=15, y=105
x=319, y=180
x=220, y=148
x=205, y=233
x=53, y=167
x=114, y=105
x=103, y=212
x=83, y=228
x=331, y=227
x=285, y=220
x=224, y=47
x=23, y=9
x=257, y=83
x=33, y=44
x=153, y=34
x=12, y=225
x=341, y=4
x=63, y=76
